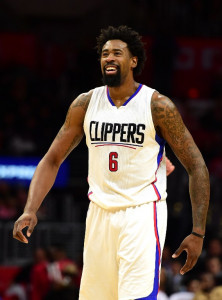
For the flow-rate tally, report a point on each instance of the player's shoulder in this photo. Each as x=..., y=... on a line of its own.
x=86, y=96
x=160, y=102
x=83, y=100
x=163, y=109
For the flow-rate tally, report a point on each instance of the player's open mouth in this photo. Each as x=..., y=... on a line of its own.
x=111, y=69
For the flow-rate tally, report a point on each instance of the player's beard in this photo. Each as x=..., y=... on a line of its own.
x=113, y=80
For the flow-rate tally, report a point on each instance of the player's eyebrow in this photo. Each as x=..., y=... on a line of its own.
x=116, y=49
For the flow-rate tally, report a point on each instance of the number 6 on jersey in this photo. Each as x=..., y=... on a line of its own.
x=113, y=163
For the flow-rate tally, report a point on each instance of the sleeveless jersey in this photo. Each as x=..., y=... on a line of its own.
x=126, y=157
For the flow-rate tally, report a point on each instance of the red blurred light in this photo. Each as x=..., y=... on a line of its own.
x=193, y=93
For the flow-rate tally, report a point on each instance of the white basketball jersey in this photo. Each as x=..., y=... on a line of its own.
x=126, y=156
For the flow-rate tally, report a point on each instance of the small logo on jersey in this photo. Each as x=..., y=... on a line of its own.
x=129, y=133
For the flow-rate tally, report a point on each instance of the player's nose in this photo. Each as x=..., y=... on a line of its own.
x=110, y=57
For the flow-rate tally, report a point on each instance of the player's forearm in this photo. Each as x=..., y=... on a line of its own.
x=42, y=181
x=199, y=187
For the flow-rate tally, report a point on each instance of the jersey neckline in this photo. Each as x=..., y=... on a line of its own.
x=127, y=101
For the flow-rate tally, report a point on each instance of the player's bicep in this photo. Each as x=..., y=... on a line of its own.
x=168, y=121
x=184, y=148
x=71, y=132
x=65, y=141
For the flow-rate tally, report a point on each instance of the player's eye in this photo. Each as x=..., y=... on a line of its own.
x=104, y=54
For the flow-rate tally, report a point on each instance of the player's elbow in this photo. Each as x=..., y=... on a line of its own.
x=198, y=168
x=52, y=160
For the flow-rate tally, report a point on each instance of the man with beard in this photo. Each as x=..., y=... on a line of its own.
x=126, y=126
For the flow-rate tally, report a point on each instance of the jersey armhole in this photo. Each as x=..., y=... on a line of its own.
x=150, y=117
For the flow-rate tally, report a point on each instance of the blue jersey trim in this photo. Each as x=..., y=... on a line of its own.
x=108, y=95
x=153, y=295
x=125, y=103
x=162, y=143
x=133, y=95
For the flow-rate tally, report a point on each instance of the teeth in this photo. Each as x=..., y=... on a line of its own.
x=110, y=69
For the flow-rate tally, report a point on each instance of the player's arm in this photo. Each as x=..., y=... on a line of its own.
x=169, y=125
x=45, y=174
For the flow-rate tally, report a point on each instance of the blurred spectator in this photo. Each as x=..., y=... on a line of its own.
x=15, y=292
x=193, y=286
x=162, y=296
x=21, y=284
x=214, y=247
x=207, y=283
x=60, y=261
x=57, y=278
x=216, y=293
x=65, y=288
x=213, y=266
x=182, y=296
x=176, y=277
x=39, y=277
x=200, y=296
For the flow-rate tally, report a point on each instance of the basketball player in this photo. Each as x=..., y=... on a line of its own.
x=126, y=125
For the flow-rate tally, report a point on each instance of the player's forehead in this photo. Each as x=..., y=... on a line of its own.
x=114, y=45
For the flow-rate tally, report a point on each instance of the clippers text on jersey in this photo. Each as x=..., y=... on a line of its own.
x=117, y=132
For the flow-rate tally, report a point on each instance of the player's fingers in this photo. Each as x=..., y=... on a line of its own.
x=17, y=231
x=178, y=251
x=188, y=266
x=31, y=227
x=20, y=236
x=190, y=262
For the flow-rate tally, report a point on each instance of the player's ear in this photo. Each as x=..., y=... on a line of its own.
x=134, y=61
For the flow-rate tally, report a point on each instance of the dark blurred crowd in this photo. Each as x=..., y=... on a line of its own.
x=30, y=112
x=183, y=17
x=50, y=275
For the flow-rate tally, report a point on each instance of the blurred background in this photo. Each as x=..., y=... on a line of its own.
x=48, y=57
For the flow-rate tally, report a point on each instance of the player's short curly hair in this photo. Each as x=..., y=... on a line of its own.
x=130, y=37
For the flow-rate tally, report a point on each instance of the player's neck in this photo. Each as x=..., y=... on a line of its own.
x=123, y=92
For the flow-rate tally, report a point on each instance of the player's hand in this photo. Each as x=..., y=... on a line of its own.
x=193, y=246
x=169, y=167
x=25, y=220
